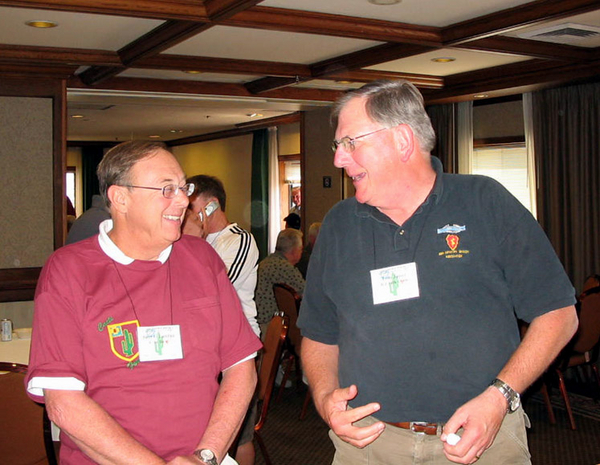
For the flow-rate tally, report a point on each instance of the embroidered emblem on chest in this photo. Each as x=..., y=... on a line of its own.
x=453, y=241
x=123, y=341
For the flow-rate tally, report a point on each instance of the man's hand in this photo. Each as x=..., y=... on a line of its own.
x=480, y=419
x=340, y=419
x=193, y=225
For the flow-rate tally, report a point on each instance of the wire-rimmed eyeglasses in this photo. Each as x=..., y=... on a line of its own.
x=169, y=191
x=347, y=142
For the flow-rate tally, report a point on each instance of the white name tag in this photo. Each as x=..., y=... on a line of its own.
x=159, y=343
x=394, y=283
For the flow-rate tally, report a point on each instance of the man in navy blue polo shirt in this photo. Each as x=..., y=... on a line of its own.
x=411, y=344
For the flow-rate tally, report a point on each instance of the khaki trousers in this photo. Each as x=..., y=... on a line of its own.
x=397, y=446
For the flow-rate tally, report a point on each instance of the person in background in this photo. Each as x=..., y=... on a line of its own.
x=239, y=252
x=313, y=232
x=88, y=223
x=409, y=318
x=133, y=327
x=278, y=267
x=293, y=221
x=297, y=199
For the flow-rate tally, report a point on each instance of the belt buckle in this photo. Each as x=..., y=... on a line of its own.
x=417, y=423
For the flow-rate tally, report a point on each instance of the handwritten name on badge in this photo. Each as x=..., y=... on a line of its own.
x=395, y=283
x=160, y=343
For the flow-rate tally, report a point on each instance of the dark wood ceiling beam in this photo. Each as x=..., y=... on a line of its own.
x=369, y=57
x=36, y=71
x=222, y=9
x=55, y=55
x=529, y=14
x=530, y=48
x=204, y=88
x=281, y=19
x=185, y=10
x=222, y=65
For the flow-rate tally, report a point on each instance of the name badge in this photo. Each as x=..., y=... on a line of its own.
x=159, y=343
x=395, y=283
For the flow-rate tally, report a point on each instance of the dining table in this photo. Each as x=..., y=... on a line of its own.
x=15, y=351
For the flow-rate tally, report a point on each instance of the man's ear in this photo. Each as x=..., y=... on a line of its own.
x=118, y=196
x=405, y=141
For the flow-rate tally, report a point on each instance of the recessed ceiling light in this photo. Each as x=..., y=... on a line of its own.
x=42, y=24
x=443, y=59
x=384, y=2
x=344, y=82
x=254, y=115
x=480, y=96
x=176, y=131
x=77, y=116
x=155, y=136
x=192, y=71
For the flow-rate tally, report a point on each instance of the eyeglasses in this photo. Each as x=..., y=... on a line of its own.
x=347, y=142
x=170, y=191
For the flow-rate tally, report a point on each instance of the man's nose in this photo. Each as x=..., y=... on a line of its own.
x=341, y=157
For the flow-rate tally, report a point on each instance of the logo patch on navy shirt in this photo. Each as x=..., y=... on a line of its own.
x=453, y=241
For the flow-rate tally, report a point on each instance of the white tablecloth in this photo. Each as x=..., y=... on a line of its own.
x=16, y=351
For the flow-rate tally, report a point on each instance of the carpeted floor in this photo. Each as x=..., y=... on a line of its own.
x=290, y=441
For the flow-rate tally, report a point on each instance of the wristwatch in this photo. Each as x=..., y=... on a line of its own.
x=206, y=456
x=512, y=397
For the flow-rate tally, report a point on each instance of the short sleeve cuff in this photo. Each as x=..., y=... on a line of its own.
x=36, y=385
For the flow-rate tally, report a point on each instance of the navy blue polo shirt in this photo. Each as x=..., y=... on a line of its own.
x=482, y=260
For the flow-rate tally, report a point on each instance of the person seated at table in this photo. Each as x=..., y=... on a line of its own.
x=133, y=327
x=278, y=267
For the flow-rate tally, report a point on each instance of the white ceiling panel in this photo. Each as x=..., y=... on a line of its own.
x=257, y=44
x=438, y=13
x=465, y=61
x=74, y=30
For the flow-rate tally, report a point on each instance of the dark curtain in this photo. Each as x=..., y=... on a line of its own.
x=90, y=158
x=566, y=125
x=260, y=190
x=443, y=120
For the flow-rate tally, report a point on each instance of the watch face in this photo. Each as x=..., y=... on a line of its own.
x=207, y=454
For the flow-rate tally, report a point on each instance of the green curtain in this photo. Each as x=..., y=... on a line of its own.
x=90, y=158
x=260, y=190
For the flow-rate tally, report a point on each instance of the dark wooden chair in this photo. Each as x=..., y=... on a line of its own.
x=269, y=364
x=582, y=352
x=26, y=438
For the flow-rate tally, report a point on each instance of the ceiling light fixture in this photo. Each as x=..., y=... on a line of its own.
x=192, y=71
x=384, y=2
x=41, y=24
x=155, y=136
x=77, y=116
x=443, y=59
x=254, y=115
x=480, y=96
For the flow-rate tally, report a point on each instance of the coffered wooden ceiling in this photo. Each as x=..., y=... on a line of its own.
x=275, y=57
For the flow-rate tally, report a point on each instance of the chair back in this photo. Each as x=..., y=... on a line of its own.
x=24, y=437
x=288, y=302
x=271, y=355
x=588, y=333
x=591, y=281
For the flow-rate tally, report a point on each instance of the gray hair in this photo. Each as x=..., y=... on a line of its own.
x=288, y=240
x=391, y=103
x=313, y=230
x=115, y=167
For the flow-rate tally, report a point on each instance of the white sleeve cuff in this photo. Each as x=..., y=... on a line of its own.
x=249, y=357
x=37, y=385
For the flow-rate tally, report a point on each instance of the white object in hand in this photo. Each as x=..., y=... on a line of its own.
x=453, y=439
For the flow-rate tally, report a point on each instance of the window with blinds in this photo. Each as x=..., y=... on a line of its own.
x=508, y=166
